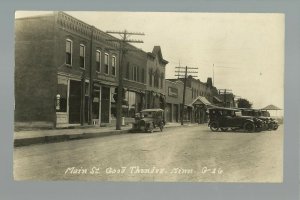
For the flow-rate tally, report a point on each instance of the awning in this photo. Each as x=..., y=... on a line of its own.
x=271, y=107
x=200, y=100
x=217, y=99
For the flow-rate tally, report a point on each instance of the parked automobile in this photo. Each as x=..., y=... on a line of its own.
x=149, y=119
x=225, y=118
x=270, y=123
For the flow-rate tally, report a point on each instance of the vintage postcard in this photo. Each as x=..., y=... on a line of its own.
x=149, y=96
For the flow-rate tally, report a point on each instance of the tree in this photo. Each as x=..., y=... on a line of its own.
x=243, y=103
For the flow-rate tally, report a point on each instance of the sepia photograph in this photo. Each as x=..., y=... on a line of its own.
x=149, y=96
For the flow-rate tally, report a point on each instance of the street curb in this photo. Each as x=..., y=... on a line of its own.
x=65, y=137
x=68, y=137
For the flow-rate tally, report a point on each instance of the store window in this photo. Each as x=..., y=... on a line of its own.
x=61, y=101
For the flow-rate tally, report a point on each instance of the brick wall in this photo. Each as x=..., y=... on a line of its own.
x=35, y=72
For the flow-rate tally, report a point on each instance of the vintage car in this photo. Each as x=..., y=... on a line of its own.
x=149, y=119
x=269, y=123
x=225, y=118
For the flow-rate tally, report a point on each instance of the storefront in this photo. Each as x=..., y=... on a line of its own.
x=200, y=106
x=71, y=100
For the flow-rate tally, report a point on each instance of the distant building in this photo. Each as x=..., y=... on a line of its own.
x=227, y=98
x=199, y=96
x=155, y=79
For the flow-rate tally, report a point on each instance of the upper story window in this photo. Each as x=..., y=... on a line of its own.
x=106, y=63
x=113, y=65
x=82, y=56
x=69, y=51
x=98, y=61
x=138, y=74
x=143, y=76
x=150, y=77
x=135, y=73
x=192, y=92
x=127, y=70
x=156, y=79
x=162, y=77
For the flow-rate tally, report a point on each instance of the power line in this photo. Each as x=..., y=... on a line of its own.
x=184, y=85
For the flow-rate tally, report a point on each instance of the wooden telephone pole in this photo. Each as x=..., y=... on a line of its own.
x=179, y=73
x=123, y=48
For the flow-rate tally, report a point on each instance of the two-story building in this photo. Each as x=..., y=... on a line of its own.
x=155, y=79
x=66, y=73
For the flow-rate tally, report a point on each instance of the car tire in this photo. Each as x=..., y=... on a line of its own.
x=270, y=127
x=275, y=127
x=224, y=129
x=214, y=126
x=161, y=127
x=249, y=127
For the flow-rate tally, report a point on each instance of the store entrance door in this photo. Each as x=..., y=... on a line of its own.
x=74, y=102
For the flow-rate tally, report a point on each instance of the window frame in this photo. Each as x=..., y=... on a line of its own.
x=84, y=56
x=106, y=65
x=71, y=52
x=114, y=65
x=98, y=68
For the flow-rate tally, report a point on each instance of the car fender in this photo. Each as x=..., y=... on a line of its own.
x=249, y=120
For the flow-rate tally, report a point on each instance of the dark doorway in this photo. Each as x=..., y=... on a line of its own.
x=175, y=113
x=105, y=101
x=96, y=101
x=74, y=102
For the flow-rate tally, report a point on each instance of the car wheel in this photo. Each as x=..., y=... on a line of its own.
x=249, y=127
x=161, y=127
x=275, y=127
x=214, y=126
x=224, y=129
x=270, y=127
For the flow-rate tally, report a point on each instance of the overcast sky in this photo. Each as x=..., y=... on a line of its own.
x=247, y=50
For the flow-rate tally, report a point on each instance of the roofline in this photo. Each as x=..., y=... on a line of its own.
x=37, y=16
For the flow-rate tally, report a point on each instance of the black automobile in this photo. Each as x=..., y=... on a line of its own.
x=269, y=123
x=149, y=119
x=230, y=118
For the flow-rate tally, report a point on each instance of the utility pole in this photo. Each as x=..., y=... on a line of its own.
x=123, y=43
x=178, y=72
x=213, y=74
x=90, y=116
x=184, y=85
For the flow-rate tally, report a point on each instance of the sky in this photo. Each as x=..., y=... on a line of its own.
x=243, y=52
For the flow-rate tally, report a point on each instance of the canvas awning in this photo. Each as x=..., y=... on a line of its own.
x=271, y=107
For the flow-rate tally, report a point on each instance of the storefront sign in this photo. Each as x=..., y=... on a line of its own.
x=173, y=92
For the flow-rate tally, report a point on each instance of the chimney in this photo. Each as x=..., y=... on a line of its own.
x=209, y=82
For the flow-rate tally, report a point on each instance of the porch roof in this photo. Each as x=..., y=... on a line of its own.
x=200, y=100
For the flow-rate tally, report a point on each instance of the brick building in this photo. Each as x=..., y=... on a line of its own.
x=199, y=96
x=66, y=73
x=155, y=79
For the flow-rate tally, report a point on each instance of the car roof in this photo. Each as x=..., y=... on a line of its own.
x=250, y=109
x=223, y=108
x=153, y=110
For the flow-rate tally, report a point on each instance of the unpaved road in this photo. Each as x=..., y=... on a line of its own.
x=193, y=154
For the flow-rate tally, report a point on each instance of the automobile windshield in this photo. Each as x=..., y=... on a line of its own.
x=238, y=114
x=147, y=114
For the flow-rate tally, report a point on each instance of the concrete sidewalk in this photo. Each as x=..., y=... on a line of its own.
x=28, y=137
